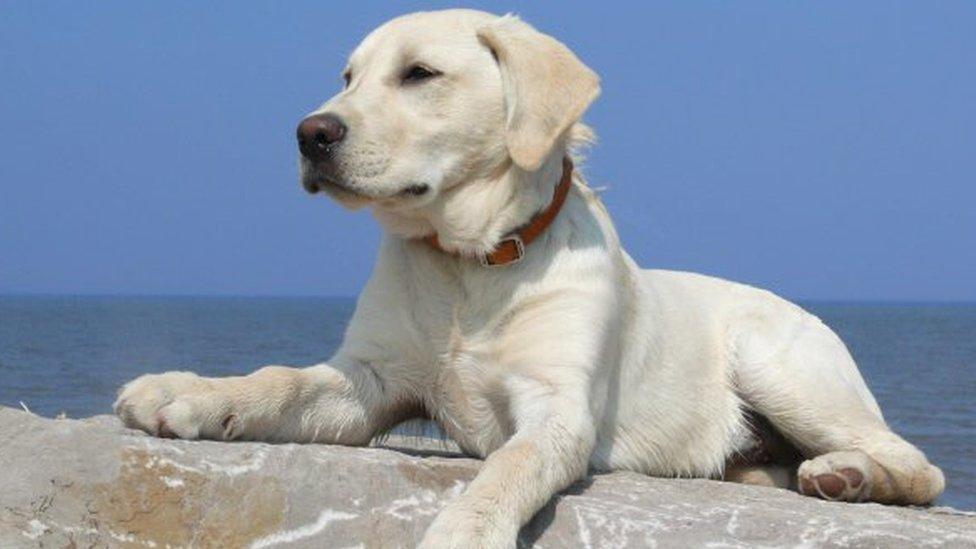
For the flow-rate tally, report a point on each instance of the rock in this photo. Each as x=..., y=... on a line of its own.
x=84, y=483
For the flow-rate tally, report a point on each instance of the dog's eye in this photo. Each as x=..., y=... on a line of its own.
x=416, y=73
x=347, y=78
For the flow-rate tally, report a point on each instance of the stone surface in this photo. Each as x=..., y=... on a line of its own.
x=92, y=483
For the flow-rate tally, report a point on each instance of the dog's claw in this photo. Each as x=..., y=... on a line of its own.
x=163, y=430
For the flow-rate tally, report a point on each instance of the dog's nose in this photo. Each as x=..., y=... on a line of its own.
x=318, y=134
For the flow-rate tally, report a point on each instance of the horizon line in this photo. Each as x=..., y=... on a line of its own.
x=822, y=300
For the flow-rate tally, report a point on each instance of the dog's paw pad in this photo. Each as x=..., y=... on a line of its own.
x=830, y=485
x=839, y=476
x=853, y=476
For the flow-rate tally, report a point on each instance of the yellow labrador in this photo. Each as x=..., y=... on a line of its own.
x=566, y=356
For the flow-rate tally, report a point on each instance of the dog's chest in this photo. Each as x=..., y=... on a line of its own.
x=468, y=395
x=468, y=344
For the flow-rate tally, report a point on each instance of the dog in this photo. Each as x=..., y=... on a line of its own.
x=503, y=307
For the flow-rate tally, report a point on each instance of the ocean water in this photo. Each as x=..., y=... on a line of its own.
x=70, y=354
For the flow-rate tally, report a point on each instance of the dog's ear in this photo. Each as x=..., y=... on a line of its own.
x=547, y=88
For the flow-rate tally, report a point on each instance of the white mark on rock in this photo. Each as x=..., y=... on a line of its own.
x=456, y=490
x=584, y=531
x=130, y=539
x=207, y=466
x=235, y=470
x=608, y=521
x=154, y=461
x=733, y=525
x=407, y=508
x=37, y=529
x=290, y=536
x=172, y=482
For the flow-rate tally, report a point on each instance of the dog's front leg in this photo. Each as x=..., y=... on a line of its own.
x=344, y=402
x=549, y=451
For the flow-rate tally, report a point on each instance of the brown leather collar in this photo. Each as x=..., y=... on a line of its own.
x=511, y=248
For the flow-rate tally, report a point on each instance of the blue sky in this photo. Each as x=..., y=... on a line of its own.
x=823, y=150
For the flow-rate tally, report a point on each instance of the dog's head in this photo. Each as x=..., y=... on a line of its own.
x=432, y=100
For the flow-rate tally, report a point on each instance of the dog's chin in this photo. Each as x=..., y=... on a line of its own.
x=346, y=197
x=315, y=181
x=409, y=195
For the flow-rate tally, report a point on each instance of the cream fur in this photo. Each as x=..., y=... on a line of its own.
x=574, y=358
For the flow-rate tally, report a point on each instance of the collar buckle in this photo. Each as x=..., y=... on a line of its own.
x=510, y=249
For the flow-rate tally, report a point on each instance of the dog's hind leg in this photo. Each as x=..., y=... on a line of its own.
x=770, y=460
x=794, y=371
x=773, y=475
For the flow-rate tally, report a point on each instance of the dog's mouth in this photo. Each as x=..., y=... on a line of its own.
x=316, y=180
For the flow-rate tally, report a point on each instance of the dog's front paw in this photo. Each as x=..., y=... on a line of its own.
x=177, y=405
x=463, y=526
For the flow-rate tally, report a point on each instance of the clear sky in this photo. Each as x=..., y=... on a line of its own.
x=825, y=150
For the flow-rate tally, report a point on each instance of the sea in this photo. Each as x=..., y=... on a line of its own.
x=70, y=354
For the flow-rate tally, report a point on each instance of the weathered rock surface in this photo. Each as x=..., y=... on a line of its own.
x=92, y=483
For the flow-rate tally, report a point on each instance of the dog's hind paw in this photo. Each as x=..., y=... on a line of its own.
x=837, y=476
